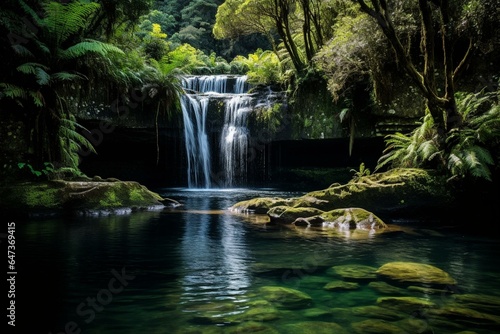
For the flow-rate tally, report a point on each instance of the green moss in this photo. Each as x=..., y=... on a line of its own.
x=136, y=195
x=110, y=199
x=40, y=196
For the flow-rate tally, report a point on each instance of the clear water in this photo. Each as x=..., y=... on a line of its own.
x=199, y=269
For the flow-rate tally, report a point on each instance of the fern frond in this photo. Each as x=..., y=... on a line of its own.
x=65, y=20
x=66, y=76
x=30, y=68
x=89, y=46
x=67, y=131
x=13, y=91
x=23, y=51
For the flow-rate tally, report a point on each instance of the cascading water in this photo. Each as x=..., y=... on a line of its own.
x=199, y=90
x=194, y=113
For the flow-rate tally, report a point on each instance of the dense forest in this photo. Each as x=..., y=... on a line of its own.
x=436, y=59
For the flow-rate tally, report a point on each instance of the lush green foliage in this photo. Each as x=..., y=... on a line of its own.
x=470, y=151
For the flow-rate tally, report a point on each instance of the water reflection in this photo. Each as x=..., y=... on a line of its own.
x=214, y=253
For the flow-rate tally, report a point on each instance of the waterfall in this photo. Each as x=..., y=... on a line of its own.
x=194, y=113
x=233, y=141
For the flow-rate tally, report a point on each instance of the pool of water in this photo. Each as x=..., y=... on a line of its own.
x=200, y=268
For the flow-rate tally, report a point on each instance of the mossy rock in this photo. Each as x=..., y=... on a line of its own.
x=352, y=218
x=467, y=316
x=356, y=272
x=287, y=214
x=408, y=305
x=387, y=289
x=315, y=312
x=259, y=313
x=377, y=312
x=341, y=286
x=53, y=197
x=259, y=204
x=480, y=302
x=250, y=327
x=314, y=327
x=395, y=190
x=372, y=326
x=285, y=297
x=412, y=272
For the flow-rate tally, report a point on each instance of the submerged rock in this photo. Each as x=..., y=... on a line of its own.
x=377, y=312
x=357, y=272
x=314, y=327
x=373, y=326
x=463, y=315
x=341, y=286
x=485, y=303
x=410, y=305
x=286, y=297
x=387, y=289
x=411, y=272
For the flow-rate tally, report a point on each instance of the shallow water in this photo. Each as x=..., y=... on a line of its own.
x=200, y=269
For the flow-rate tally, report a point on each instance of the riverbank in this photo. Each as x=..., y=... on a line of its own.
x=92, y=197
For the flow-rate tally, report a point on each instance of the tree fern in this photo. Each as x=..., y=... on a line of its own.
x=64, y=20
x=468, y=148
x=86, y=47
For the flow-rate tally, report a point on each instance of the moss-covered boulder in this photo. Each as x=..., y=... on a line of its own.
x=397, y=191
x=480, y=302
x=341, y=286
x=374, y=326
x=408, y=305
x=387, y=289
x=250, y=327
x=285, y=297
x=377, y=312
x=352, y=218
x=287, y=214
x=314, y=327
x=259, y=204
x=82, y=197
x=354, y=272
x=466, y=316
x=412, y=272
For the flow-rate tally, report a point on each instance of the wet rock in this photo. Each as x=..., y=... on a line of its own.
x=480, y=302
x=251, y=327
x=429, y=291
x=416, y=325
x=467, y=316
x=259, y=204
x=316, y=313
x=409, y=305
x=314, y=327
x=376, y=327
x=352, y=218
x=286, y=214
x=377, y=312
x=387, y=289
x=259, y=313
x=341, y=286
x=411, y=272
x=356, y=272
x=80, y=197
x=285, y=297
